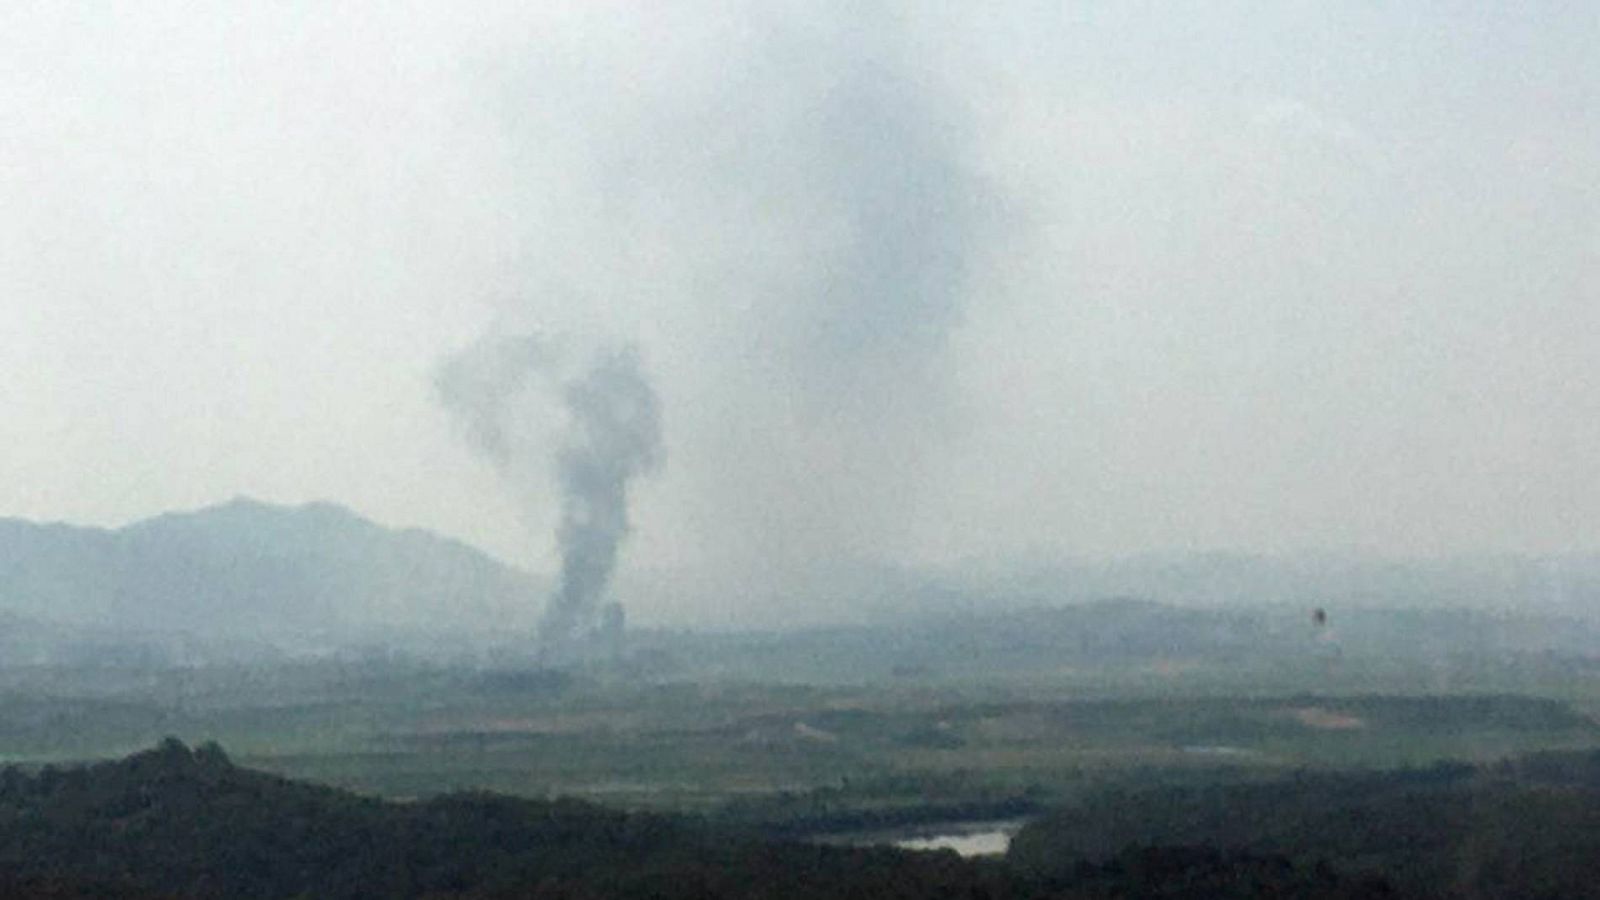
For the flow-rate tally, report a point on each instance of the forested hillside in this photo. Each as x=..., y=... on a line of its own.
x=179, y=822
x=1528, y=827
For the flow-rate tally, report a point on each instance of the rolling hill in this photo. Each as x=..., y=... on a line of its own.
x=246, y=569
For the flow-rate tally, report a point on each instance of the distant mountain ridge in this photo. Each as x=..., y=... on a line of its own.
x=1128, y=639
x=247, y=580
x=251, y=569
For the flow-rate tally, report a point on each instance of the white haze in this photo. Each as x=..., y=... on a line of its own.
x=1000, y=282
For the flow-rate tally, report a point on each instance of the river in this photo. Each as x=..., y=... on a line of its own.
x=983, y=837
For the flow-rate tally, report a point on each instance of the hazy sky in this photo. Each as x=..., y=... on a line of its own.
x=1013, y=279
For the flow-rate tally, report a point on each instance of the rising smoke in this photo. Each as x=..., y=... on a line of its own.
x=859, y=263
x=503, y=391
x=815, y=211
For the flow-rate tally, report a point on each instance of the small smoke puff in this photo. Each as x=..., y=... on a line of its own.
x=482, y=385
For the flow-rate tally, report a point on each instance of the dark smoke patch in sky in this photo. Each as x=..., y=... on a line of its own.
x=502, y=391
x=897, y=178
x=873, y=161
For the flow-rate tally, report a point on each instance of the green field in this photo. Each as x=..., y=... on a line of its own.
x=786, y=756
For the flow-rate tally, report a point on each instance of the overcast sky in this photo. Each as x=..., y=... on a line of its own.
x=1008, y=281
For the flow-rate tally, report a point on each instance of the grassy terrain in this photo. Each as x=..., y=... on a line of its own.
x=954, y=718
x=783, y=755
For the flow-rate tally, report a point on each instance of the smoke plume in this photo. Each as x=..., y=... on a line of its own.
x=504, y=391
x=857, y=266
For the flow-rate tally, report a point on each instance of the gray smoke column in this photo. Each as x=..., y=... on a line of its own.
x=504, y=391
x=616, y=435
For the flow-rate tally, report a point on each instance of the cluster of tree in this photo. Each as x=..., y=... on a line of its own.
x=881, y=802
x=188, y=823
x=1522, y=828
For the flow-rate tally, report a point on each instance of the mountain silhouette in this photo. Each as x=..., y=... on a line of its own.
x=251, y=570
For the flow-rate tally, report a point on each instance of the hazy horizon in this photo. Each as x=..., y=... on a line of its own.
x=1025, y=555
x=232, y=538
x=911, y=286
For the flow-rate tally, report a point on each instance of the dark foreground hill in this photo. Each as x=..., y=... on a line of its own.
x=1523, y=828
x=188, y=823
